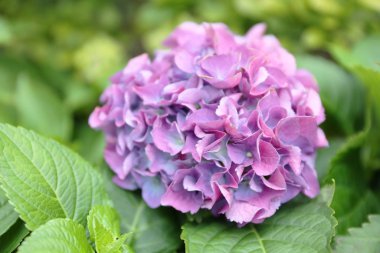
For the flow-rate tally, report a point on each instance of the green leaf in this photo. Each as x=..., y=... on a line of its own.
x=152, y=230
x=304, y=228
x=58, y=236
x=340, y=94
x=45, y=180
x=40, y=109
x=365, y=239
x=352, y=201
x=370, y=79
x=365, y=53
x=90, y=144
x=364, y=61
x=7, y=215
x=13, y=237
x=104, y=227
x=325, y=156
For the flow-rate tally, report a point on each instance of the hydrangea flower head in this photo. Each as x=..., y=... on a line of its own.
x=217, y=121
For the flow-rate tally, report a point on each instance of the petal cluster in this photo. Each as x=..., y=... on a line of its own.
x=216, y=121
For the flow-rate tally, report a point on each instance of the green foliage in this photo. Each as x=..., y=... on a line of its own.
x=151, y=230
x=36, y=99
x=304, y=228
x=7, y=215
x=13, y=237
x=300, y=24
x=341, y=95
x=44, y=180
x=365, y=238
x=104, y=227
x=353, y=200
x=57, y=235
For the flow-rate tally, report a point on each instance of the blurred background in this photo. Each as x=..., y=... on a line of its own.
x=56, y=56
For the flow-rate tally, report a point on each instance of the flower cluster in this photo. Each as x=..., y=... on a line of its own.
x=217, y=121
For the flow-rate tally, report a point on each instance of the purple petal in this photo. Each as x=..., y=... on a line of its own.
x=300, y=131
x=220, y=71
x=178, y=197
x=268, y=159
x=152, y=191
x=241, y=212
x=167, y=137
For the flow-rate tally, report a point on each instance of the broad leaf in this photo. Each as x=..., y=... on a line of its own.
x=304, y=228
x=353, y=201
x=365, y=239
x=58, y=236
x=104, y=227
x=340, y=93
x=13, y=237
x=7, y=215
x=40, y=109
x=152, y=230
x=45, y=180
x=365, y=53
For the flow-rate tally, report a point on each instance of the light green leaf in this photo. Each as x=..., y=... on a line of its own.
x=40, y=109
x=352, y=201
x=365, y=239
x=365, y=53
x=13, y=237
x=45, y=180
x=7, y=215
x=340, y=94
x=305, y=229
x=152, y=230
x=58, y=236
x=104, y=227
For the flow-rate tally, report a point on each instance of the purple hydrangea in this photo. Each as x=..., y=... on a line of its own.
x=216, y=121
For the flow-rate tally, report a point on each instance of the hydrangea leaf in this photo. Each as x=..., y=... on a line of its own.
x=340, y=93
x=45, y=180
x=13, y=237
x=7, y=215
x=325, y=155
x=40, y=109
x=370, y=79
x=363, y=61
x=353, y=201
x=367, y=237
x=152, y=230
x=58, y=236
x=104, y=227
x=304, y=228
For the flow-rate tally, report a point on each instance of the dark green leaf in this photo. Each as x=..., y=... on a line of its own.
x=353, y=201
x=7, y=215
x=13, y=237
